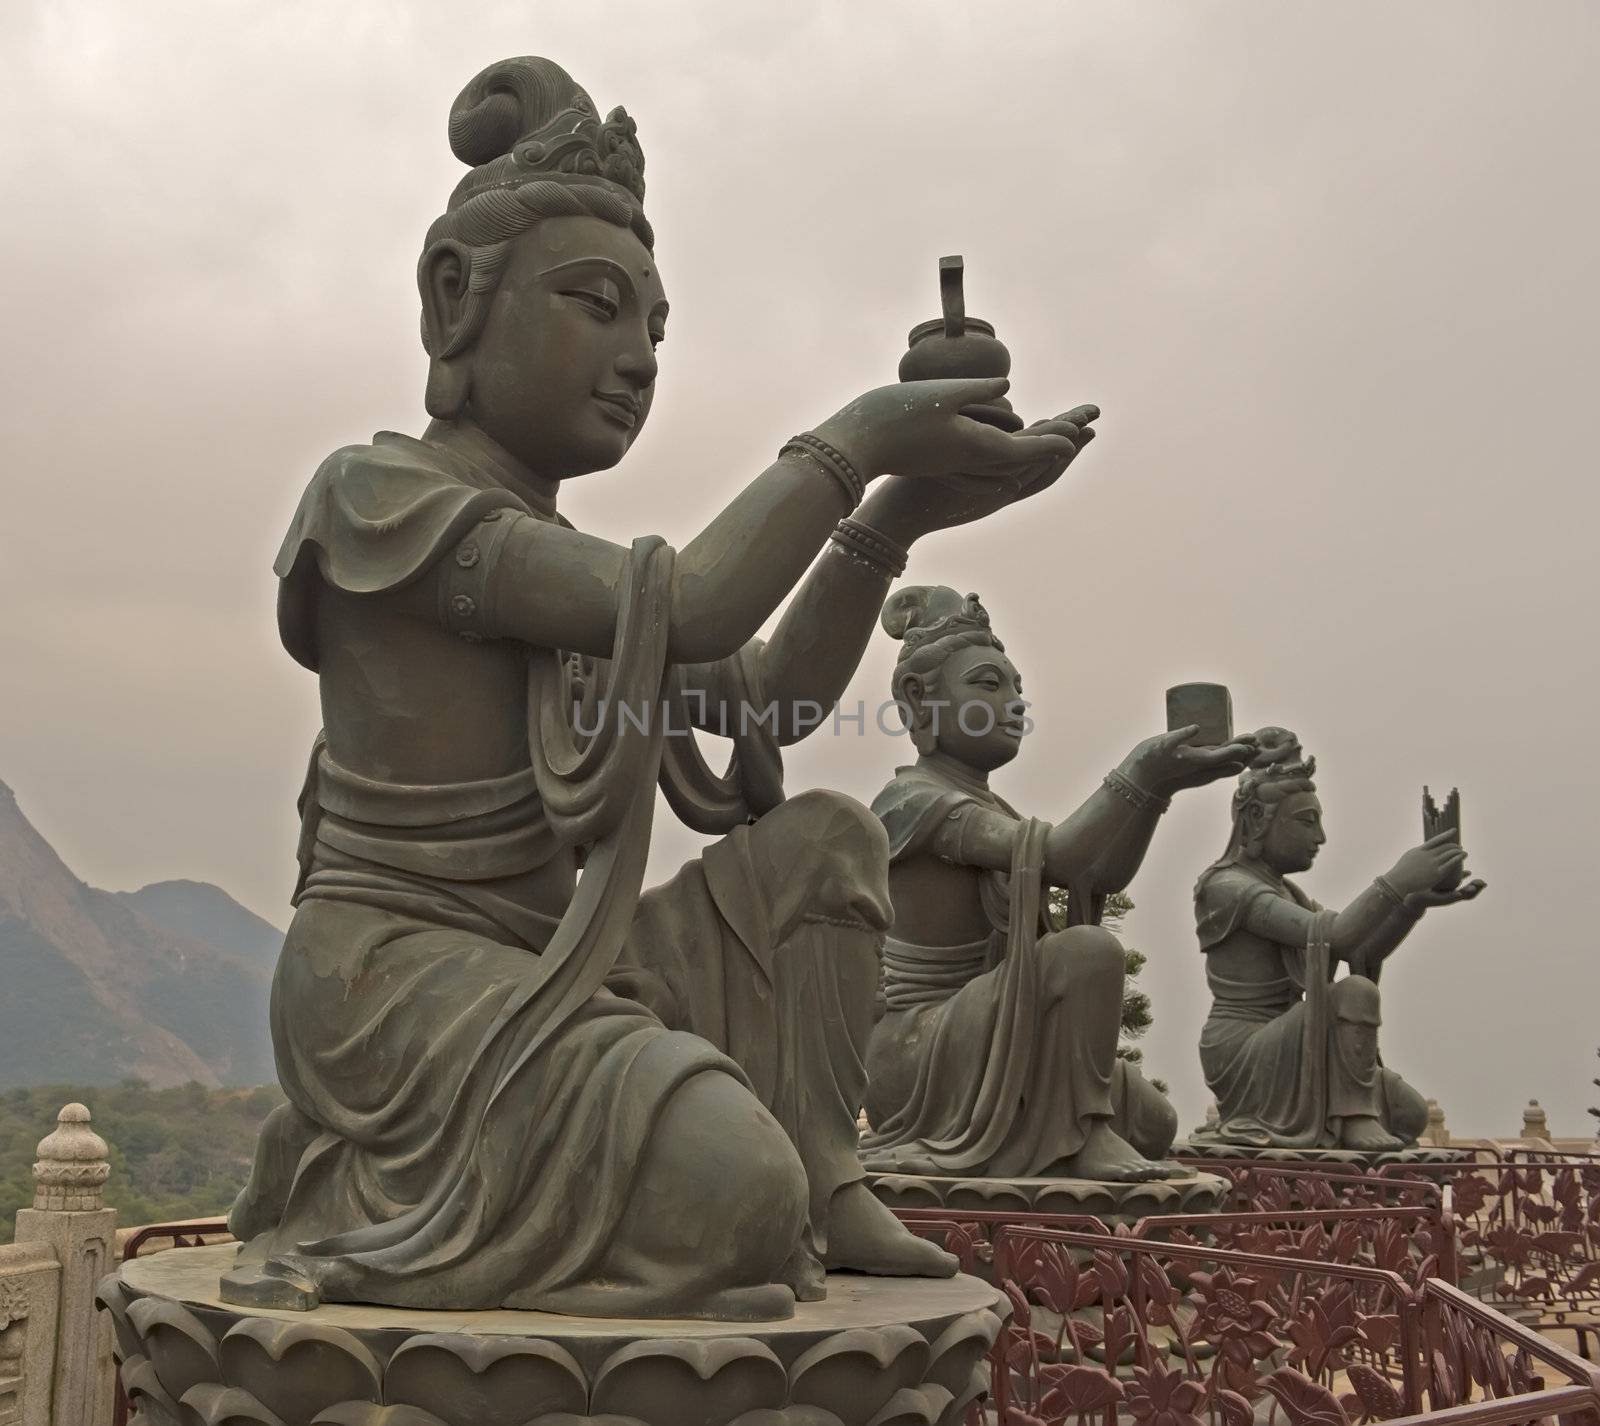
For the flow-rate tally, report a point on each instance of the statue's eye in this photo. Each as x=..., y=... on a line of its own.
x=601, y=300
x=657, y=336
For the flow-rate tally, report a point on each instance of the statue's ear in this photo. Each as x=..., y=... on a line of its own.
x=909, y=692
x=913, y=691
x=442, y=278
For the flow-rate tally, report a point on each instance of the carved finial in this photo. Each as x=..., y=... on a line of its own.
x=1436, y=1133
x=73, y=1166
x=1534, y=1123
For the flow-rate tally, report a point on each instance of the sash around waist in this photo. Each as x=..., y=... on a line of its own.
x=924, y=975
x=417, y=804
x=463, y=831
x=1255, y=1001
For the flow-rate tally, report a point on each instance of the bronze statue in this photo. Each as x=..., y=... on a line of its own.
x=996, y=1052
x=1290, y=1052
x=510, y=1084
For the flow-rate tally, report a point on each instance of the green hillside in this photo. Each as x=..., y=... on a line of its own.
x=175, y=1153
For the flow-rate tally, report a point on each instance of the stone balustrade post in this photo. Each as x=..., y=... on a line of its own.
x=1436, y=1135
x=69, y=1217
x=1535, y=1124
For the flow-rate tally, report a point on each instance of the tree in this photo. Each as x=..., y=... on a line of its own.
x=1592, y=1110
x=1136, y=1013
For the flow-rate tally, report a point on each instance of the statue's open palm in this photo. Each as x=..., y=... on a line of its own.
x=1434, y=896
x=923, y=505
x=1171, y=762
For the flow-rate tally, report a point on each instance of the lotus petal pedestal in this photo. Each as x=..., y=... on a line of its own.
x=1111, y=1203
x=1200, y=1148
x=877, y=1352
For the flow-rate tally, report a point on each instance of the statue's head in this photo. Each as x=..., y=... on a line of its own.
x=541, y=303
x=1277, y=819
x=956, y=690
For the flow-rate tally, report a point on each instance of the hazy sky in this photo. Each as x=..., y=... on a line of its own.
x=1328, y=268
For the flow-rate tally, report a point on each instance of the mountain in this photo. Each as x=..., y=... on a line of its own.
x=167, y=984
x=198, y=911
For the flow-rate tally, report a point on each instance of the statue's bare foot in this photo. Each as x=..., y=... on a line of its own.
x=1109, y=1158
x=903, y=1160
x=864, y=1236
x=1365, y=1134
x=1165, y=1169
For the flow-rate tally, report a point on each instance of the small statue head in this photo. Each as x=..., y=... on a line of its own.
x=956, y=690
x=1277, y=818
x=541, y=303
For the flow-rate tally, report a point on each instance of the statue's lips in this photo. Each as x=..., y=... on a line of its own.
x=624, y=410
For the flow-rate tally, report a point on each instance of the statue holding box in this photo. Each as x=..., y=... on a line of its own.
x=1290, y=1052
x=996, y=1051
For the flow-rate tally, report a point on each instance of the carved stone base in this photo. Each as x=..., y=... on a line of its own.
x=1111, y=1203
x=877, y=1352
x=1311, y=1158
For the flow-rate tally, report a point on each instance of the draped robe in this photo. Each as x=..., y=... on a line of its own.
x=992, y=1058
x=472, y=1073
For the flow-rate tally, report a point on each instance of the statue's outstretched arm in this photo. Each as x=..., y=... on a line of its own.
x=818, y=642
x=1100, y=847
x=556, y=588
x=1371, y=926
x=1428, y=875
x=1096, y=850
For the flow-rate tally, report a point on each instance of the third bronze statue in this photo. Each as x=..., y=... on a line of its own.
x=996, y=1052
x=1291, y=1052
x=514, y=1078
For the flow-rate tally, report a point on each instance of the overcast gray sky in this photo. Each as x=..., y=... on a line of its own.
x=1328, y=268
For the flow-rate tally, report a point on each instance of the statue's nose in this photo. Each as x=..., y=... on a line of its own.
x=638, y=368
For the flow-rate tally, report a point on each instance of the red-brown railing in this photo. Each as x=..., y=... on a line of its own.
x=1108, y=1325
x=1326, y=1315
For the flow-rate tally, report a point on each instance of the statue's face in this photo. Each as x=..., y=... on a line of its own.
x=1294, y=835
x=563, y=372
x=983, y=721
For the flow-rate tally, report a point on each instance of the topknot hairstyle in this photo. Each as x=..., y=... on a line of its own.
x=1279, y=768
x=932, y=621
x=538, y=149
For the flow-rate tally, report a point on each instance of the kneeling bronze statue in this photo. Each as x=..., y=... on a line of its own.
x=996, y=1051
x=1291, y=1053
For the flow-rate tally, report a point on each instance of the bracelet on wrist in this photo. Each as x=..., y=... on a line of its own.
x=1130, y=791
x=870, y=547
x=832, y=460
x=1387, y=889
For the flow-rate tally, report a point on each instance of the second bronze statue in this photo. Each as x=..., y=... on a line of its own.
x=996, y=1051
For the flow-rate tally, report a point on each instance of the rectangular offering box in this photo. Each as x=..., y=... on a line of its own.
x=1208, y=704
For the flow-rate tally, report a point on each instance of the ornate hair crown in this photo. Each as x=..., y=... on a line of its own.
x=1281, y=760
x=527, y=119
